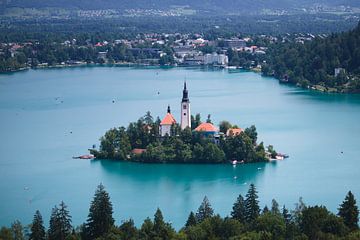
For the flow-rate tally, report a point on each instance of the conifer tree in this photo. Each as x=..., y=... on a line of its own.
x=275, y=207
x=286, y=215
x=18, y=230
x=204, y=211
x=265, y=209
x=37, y=227
x=349, y=211
x=252, y=209
x=159, y=223
x=100, y=219
x=238, y=211
x=60, y=223
x=191, y=221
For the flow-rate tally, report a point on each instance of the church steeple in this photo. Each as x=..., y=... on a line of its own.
x=185, y=97
x=168, y=109
x=185, y=109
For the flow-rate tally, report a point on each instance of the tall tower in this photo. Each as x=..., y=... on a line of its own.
x=185, y=109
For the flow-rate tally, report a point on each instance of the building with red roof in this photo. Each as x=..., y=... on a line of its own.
x=207, y=128
x=166, y=123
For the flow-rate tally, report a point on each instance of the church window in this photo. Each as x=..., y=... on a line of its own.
x=184, y=106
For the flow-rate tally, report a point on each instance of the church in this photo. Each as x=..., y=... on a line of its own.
x=168, y=120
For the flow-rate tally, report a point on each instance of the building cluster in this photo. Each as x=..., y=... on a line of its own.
x=207, y=129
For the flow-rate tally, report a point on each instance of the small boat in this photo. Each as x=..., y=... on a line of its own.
x=88, y=156
x=234, y=162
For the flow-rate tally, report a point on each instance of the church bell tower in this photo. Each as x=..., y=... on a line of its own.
x=185, y=109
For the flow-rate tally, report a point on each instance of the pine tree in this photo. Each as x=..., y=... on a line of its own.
x=191, y=221
x=204, y=211
x=275, y=207
x=286, y=215
x=252, y=209
x=17, y=230
x=60, y=223
x=159, y=223
x=265, y=209
x=100, y=219
x=238, y=211
x=37, y=227
x=349, y=211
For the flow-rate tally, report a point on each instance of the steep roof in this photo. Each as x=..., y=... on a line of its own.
x=206, y=127
x=168, y=119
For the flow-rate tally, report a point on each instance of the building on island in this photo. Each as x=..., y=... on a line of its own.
x=234, y=132
x=166, y=123
x=185, y=110
x=207, y=129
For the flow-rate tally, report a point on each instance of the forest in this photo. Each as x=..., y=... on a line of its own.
x=313, y=63
x=246, y=221
x=183, y=146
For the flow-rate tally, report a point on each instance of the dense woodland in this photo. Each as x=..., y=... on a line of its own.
x=314, y=62
x=245, y=222
x=183, y=146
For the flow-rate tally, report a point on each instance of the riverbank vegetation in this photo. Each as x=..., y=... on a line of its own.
x=141, y=142
x=314, y=63
x=246, y=221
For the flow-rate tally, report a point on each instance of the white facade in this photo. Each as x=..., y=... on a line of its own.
x=185, y=115
x=214, y=58
x=165, y=129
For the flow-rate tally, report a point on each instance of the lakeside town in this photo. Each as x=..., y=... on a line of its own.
x=147, y=49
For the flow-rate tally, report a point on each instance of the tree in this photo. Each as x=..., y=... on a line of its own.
x=349, y=212
x=273, y=224
x=60, y=223
x=204, y=211
x=6, y=234
x=191, y=221
x=208, y=120
x=18, y=231
x=128, y=230
x=252, y=209
x=252, y=133
x=37, y=227
x=238, y=211
x=100, y=219
x=224, y=126
x=275, y=207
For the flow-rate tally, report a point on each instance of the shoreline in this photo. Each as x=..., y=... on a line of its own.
x=316, y=88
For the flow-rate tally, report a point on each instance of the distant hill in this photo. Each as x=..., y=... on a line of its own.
x=313, y=63
x=214, y=6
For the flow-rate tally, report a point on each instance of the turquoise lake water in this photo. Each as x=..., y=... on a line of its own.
x=48, y=116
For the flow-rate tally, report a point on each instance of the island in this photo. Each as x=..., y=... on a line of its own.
x=191, y=141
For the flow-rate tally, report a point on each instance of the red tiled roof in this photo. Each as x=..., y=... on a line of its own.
x=138, y=151
x=234, y=131
x=168, y=119
x=206, y=127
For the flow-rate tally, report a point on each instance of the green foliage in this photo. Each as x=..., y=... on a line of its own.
x=317, y=221
x=204, y=211
x=239, y=210
x=37, y=228
x=60, y=223
x=100, y=219
x=314, y=62
x=224, y=126
x=252, y=209
x=273, y=224
x=183, y=146
x=304, y=223
x=349, y=212
x=191, y=221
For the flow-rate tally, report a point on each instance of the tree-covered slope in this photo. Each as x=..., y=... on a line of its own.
x=314, y=62
x=202, y=5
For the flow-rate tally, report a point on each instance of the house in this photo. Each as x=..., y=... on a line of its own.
x=166, y=123
x=207, y=129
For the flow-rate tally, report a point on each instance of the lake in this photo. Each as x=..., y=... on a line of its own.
x=47, y=116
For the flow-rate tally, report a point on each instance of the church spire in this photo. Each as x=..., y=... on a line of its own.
x=185, y=97
x=168, y=110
